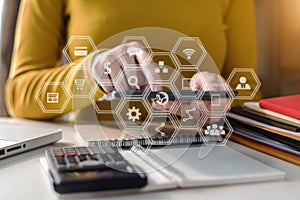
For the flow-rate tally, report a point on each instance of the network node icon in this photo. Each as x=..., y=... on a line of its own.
x=159, y=129
x=166, y=67
x=162, y=126
x=190, y=116
x=162, y=68
x=190, y=112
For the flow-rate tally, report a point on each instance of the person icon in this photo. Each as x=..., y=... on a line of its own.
x=214, y=130
x=221, y=129
x=243, y=85
x=207, y=131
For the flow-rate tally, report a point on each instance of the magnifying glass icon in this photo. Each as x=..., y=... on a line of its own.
x=133, y=82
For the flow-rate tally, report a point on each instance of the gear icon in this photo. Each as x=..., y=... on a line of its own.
x=133, y=114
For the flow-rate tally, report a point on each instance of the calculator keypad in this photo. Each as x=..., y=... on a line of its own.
x=88, y=158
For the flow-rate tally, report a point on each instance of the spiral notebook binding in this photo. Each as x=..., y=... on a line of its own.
x=157, y=141
x=156, y=163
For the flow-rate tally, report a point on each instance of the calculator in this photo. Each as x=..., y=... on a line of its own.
x=85, y=169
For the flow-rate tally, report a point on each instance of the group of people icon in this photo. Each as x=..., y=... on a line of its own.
x=214, y=129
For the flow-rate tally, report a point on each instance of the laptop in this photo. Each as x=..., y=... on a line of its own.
x=15, y=139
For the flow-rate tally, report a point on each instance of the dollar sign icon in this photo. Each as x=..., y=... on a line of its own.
x=107, y=69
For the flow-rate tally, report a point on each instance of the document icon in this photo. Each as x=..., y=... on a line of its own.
x=52, y=97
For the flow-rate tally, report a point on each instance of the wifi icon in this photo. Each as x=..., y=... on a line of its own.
x=189, y=52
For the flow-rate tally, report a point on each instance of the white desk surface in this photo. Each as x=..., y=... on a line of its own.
x=22, y=177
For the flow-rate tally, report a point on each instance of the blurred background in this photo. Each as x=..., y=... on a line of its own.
x=278, y=31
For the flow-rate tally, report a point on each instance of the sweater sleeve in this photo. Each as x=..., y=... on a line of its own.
x=239, y=20
x=40, y=37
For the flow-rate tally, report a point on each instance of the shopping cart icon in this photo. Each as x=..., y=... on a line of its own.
x=80, y=82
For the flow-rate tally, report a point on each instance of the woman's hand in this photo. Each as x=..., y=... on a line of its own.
x=112, y=74
x=200, y=81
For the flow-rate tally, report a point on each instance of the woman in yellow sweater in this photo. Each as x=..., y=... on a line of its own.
x=225, y=27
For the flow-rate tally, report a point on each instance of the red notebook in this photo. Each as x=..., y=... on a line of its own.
x=287, y=105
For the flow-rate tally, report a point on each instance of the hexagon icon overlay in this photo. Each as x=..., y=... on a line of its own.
x=162, y=126
x=185, y=81
x=245, y=82
x=166, y=67
x=106, y=75
x=132, y=80
x=161, y=98
x=132, y=113
x=189, y=51
x=191, y=112
x=78, y=47
x=53, y=97
x=215, y=130
x=134, y=51
x=78, y=83
x=101, y=107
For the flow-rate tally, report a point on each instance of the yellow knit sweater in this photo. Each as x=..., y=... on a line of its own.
x=225, y=27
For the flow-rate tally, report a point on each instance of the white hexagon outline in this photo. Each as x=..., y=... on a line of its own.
x=119, y=108
x=228, y=134
x=228, y=91
x=65, y=49
x=197, y=40
x=174, y=62
x=45, y=84
x=164, y=85
x=77, y=68
x=176, y=106
x=125, y=94
x=175, y=125
x=93, y=102
x=217, y=113
x=258, y=83
x=118, y=59
x=198, y=94
x=147, y=46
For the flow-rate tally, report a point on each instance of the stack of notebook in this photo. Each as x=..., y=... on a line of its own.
x=270, y=125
